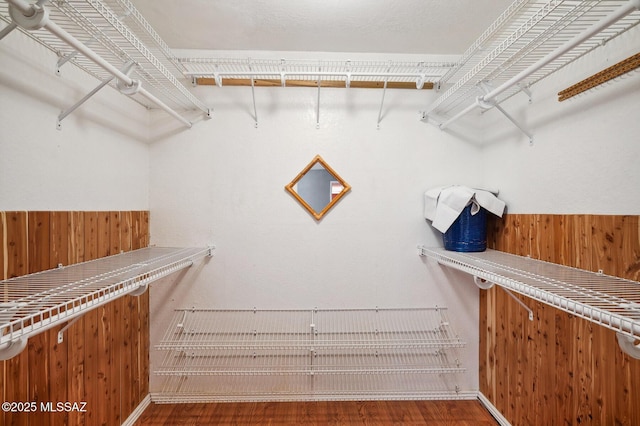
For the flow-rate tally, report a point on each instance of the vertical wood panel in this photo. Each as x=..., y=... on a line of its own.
x=17, y=261
x=115, y=340
x=59, y=367
x=91, y=320
x=75, y=336
x=3, y=275
x=574, y=372
x=37, y=347
x=103, y=397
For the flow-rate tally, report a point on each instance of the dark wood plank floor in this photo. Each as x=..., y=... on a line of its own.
x=432, y=413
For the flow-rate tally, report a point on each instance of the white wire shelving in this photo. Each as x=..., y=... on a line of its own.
x=306, y=354
x=529, y=41
x=606, y=300
x=33, y=303
x=347, y=72
x=321, y=73
x=111, y=41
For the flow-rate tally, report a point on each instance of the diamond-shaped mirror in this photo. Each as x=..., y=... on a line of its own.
x=318, y=187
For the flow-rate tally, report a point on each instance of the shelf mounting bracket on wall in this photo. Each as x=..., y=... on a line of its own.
x=515, y=123
x=126, y=69
x=384, y=91
x=486, y=87
x=486, y=285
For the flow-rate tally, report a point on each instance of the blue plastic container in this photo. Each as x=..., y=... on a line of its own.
x=468, y=233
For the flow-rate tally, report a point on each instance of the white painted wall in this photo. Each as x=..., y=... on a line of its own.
x=98, y=161
x=222, y=182
x=584, y=159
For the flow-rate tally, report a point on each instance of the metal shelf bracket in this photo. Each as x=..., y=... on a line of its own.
x=515, y=123
x=126, y=69
x=486, y=285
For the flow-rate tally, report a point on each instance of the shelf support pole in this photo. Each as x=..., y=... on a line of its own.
x=486, y=285
x=253, y=95
x=126, y=69
x=75, y=106
x=6, y=30
x=515, y=123
x=384, y=90
x=318, y=104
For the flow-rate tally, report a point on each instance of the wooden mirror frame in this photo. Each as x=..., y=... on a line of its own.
x=290, y=187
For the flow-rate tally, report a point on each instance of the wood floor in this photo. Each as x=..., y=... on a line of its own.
x=432, y=413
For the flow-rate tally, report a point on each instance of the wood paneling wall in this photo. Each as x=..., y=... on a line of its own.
x=559, y=369
x=104, y=359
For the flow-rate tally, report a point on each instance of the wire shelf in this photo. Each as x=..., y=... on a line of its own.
x=367, y=71
x=310, y=362
x=609, y=301
x=314, y=354
x=332, y=387
x=193, y=329
x=117, y=32
x=33, y=303
x=525, y=33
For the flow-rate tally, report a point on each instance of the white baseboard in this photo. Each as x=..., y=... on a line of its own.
x=138, y=411
x=493, y=410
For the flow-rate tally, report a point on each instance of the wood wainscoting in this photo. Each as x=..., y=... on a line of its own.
x=104, y=358
x=559, y=369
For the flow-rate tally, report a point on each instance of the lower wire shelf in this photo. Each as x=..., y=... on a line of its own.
x=249, y=355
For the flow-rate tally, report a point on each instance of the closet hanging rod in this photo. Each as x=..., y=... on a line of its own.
x=33, y=16
x=486, y=101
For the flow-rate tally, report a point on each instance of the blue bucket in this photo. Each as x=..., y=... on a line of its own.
x=468, y=233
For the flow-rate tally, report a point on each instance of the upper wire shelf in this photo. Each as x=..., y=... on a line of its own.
x=118, y=33
x=524, y=34
x=609, y=301
x=33, y=303
x=418, y=72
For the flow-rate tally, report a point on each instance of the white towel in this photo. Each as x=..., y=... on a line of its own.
x=443, y=205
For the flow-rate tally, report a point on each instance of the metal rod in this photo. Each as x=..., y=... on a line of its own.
x=253, y=95
x=318, y=103
x=511, y=119
x=520, y=302
x=623, y=11
x=384, y=90
x=63, y=329
x=54, y=29
x=468, y=109
x=6, y=30
x=75, y=106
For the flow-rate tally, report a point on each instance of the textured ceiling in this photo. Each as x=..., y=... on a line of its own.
x=367, y=26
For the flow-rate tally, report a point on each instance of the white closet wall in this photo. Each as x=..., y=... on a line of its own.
x=222, y=182
x=584, y=158
x=98, y=161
